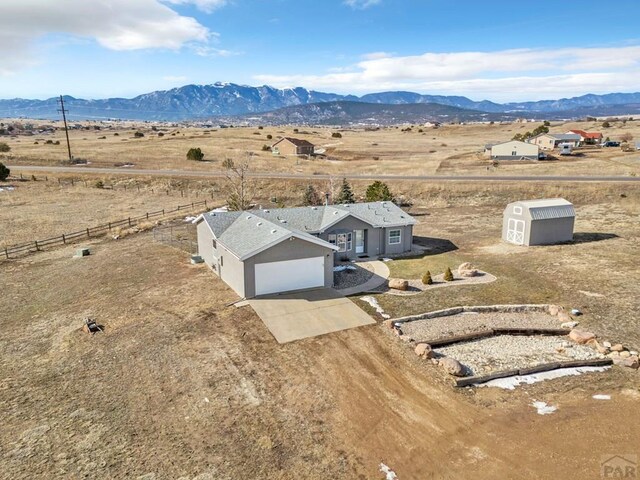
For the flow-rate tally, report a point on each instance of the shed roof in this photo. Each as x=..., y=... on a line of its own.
x=545, y=209
x=565, y=136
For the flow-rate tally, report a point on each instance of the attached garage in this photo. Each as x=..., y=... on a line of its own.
x=255, y=256
x=287, y=275
x=538, y=222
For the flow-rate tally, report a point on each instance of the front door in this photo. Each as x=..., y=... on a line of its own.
x=515, y=231
x=359, y=241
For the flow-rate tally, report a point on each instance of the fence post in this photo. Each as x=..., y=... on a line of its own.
x=205, y=205
x=191, y=204
x=88, y=236
x=72, y=182
x=129, y=221
x=37, y=247
x=163, y=211
x=6, y=252
x=109, y=226
x=147, y=215
x=64, y=240
x=181, y=193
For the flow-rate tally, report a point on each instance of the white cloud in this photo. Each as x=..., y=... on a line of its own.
x=501, y=75
x=114, y=24
x=207, y=6
x=361, y=4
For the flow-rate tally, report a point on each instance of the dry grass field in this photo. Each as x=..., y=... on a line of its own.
x=448, y=150
x=184, y=385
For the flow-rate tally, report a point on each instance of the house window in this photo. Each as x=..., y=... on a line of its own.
x=394, y=237
x=344, y=241
x=517, y=210
x=332, y=239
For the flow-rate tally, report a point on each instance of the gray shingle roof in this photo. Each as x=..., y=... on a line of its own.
x=565, y=136
x=247, y=233
x=548, y=208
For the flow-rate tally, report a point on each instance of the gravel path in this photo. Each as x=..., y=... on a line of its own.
x=352, y=278
x=435, y=328
x=508, y=352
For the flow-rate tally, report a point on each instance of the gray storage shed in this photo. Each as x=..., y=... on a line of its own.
x=538, y=222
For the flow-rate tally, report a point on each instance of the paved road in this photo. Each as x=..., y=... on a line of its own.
x=302, y=176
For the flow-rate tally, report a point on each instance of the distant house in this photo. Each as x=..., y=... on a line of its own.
x=588, y=138
x=260, y=252
x=515, y=150
x=538, y=222
x=292, y=146
x=549, y=141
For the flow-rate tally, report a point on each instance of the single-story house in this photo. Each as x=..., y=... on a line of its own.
x=549, y=141
x=292, y=146
x=538, y=222
x=259, y=252
x=588, y=138
x=515, y=150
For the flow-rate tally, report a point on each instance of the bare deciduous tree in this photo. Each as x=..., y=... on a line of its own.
x=241, y=189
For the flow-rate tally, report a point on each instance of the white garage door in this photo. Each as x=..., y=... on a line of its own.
x=275, y=277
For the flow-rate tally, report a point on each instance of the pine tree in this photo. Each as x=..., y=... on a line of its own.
x=346, y=194
x=426, y=278
x=448, y=276
x=378, y=191
x=310, y=196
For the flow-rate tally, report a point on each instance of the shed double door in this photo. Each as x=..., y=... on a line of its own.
x=515, y=231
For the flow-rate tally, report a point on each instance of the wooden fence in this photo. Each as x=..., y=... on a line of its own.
x=91, y=232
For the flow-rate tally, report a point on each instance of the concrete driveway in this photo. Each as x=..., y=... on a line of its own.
x=293, y=316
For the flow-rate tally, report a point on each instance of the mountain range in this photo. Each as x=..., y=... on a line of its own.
x=223, y=100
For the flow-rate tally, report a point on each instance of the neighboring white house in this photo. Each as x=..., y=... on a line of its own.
x=538, y=222
x=549, y=141
x=515, y=150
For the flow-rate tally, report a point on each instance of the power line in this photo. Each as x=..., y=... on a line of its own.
x=66, y=129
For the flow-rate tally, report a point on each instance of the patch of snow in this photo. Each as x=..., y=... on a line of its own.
x=510, y=383
x=221, y=209
x=342, y=268
x=391, y=475
x=190, y=219
x=8, y=189
x=590, y=294
x=387, y=259
x=543, y=408
x=374, y=303
x=600, y=396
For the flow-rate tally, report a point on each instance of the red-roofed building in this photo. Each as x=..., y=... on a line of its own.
x=588, y=138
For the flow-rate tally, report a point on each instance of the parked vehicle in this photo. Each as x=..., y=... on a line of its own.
x=565, y=148
x=611, y=144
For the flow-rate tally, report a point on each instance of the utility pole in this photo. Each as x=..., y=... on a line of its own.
x=66, y=129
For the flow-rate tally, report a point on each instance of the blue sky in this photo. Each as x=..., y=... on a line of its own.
x=498, y=50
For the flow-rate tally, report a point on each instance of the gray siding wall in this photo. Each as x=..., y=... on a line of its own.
x=554, y=230
x=406, y=238
x=372, y=244
x=287, y=250
x=231, y=270
x=376, y=239
x=205, y=243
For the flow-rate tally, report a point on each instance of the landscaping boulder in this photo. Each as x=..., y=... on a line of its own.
x=423, y=350
x=398, y=284
x=390, y=324
x=555, y=310
x=625, y=354
x=467, y=270
x=573, y=324
x=564, y=317
x=452, y=366
x=580, y=336
x=631, y=362
x=617, y=348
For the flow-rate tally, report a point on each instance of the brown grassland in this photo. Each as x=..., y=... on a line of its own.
x=448, y=150
x=182, y=384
